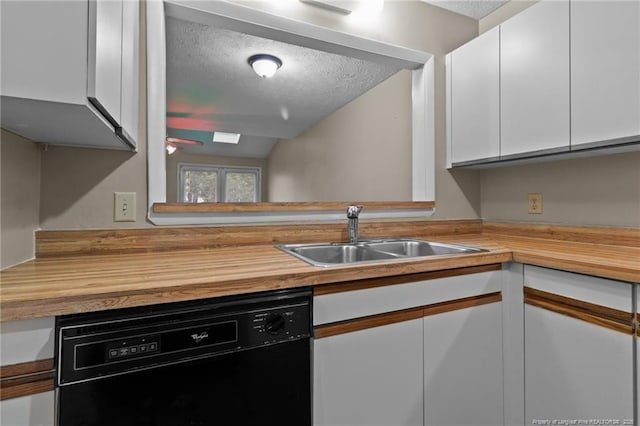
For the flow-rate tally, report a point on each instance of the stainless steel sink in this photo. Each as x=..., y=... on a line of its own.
x=418, y=248
x=333, y=254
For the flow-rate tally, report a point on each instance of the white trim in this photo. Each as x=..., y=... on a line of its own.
x=156, y=104
x=250, y=20
x=423, y=127
x=263, y=24
x=175, y=219
x=448, y=60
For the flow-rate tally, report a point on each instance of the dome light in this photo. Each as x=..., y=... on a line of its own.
x=265, y=65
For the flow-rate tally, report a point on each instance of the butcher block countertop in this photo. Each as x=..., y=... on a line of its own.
x=92, y=282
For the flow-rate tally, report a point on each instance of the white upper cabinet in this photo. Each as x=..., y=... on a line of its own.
x=535, y=80
x=474, y=128
x=105, y=57
x=605, y=71
x=70, y=71
x=568, y=80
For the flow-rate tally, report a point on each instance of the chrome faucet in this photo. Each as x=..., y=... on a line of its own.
x=352, y=223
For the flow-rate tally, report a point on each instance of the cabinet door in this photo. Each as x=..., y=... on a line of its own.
x=534, y=66
x=578, y=347
x=32, y=410
x=463, y=380
x=130, y=71
x=475, y=99
x=105, y=57
x=44, y=50
x=369, y=377
x=25, y=341
x=575, y=369
x=605, y=70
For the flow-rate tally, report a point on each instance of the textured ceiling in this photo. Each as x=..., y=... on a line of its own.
x=211, y=87
x=476, y=9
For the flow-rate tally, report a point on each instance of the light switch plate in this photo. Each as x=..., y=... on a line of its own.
x=124, y=207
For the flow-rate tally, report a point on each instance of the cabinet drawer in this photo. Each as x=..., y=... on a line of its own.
x=599, y=291
x=344, y=305
x=26, y=340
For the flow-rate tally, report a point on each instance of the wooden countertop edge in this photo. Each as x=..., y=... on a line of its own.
x=631, y=275
x=606, y=261
x=34, y=307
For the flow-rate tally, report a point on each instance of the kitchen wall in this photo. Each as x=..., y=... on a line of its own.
x=19, y=198
x=408, y=23
x=181, y=157
x=361, y=152
x=76, y=186
x=591, y=191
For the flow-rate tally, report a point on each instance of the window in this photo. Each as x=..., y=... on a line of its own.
x=199, y=183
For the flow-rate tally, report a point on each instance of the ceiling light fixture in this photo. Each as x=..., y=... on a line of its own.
x=171, y=149
x=265, y=65
x=224, y=137
x=173, y=144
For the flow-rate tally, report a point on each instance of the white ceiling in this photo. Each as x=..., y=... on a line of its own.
x=476, y=9
x=210, y=83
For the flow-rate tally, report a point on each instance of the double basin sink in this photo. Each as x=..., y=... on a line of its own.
x=335, y=254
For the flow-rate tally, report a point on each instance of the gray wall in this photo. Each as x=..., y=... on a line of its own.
x=361, y=152
x=590, y=191
x=19, y=198
x=378, y=125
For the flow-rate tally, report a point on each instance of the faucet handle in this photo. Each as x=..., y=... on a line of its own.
x=353, y=211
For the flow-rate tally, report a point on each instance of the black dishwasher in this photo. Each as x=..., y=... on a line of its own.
x=240, y=360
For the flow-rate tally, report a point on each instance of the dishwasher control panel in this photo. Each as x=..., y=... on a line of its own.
x=93, y=346
x=134, y=347
x=279, y=325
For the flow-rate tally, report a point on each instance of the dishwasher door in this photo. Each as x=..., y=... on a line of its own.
x=237, y=361
x=265, y=386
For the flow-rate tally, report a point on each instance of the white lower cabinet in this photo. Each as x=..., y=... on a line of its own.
x=31, y=410
x=578, y=364
x=418, y=353
x=370, y=377
x=463, y=379
x=21, y=342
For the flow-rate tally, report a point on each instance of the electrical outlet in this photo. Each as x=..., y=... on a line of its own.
x=535, y=203
x=124, y=207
